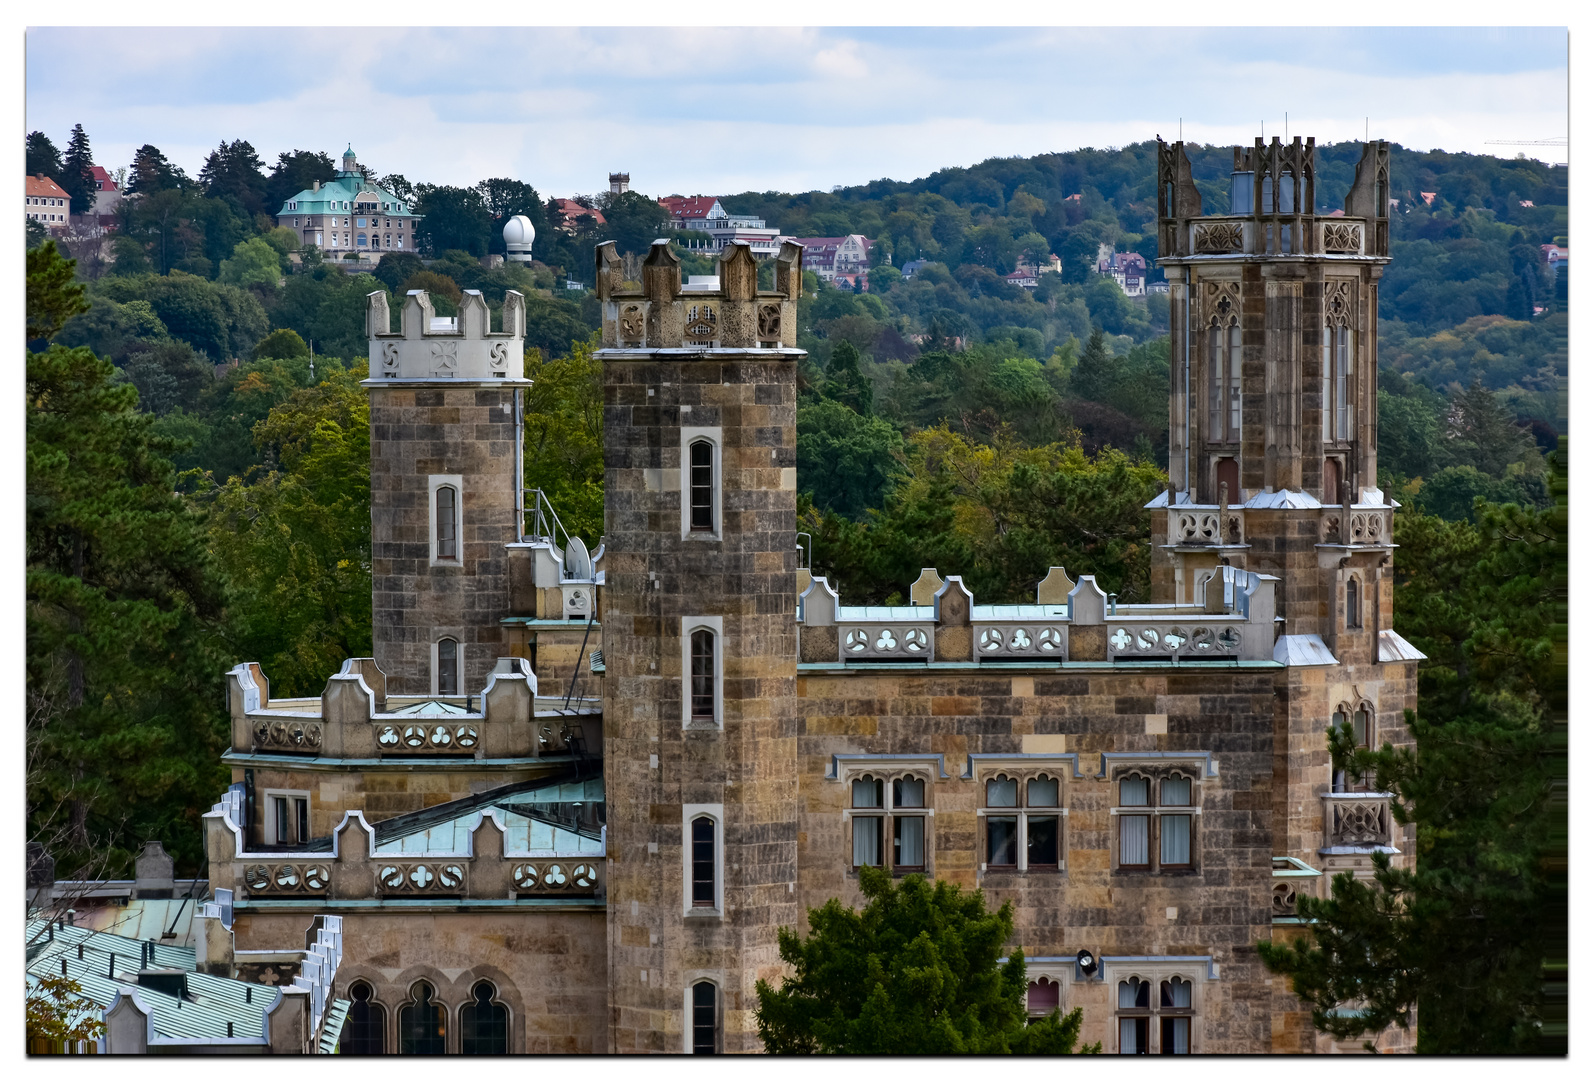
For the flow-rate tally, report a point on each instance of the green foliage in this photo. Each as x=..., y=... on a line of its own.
x=122, y=604
x=253, y=262
x=36, y=233
x=43, y=157
x=151, y=172
x=295, y=172
x=918, y=971
x=281, y=345
x=232, y=172
x=220, y=321
x=997, y=514
x=454, y=218
x=59, y=1012
x=53, y=297
x=1463, y=937
x=845, y=462
x=564, y=436
x=296, y=541
x=845, y=383
x=77, y=176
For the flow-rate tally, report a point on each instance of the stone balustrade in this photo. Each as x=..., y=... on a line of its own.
x=1222, y=234
x=354, y=718
x=1357, y=819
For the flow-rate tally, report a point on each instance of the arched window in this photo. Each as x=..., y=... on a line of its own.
x=704, y=893
x=1174, y=1005
x=1134, y=1016
x=446, y=518
x=1353, y=603
x=447, y=667
x=483, y=1026
x=703, y=675
x=1156, y=816
x=1339, y=414
x=1045, y=996
x=1134, y=830
x=422, y=1024
x=907, y=830
x=1223, y=376
x=705, y=1018
x=1362, y=728
x=1001, y=830
x=1331, y=480
x=365, y=1029
x=701, y=485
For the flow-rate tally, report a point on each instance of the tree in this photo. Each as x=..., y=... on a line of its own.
x=1484, y=602
x=281, y=345
x=53, y=296
x=295, y=172
x=504, y=198
x=122, y=604
x=44, y=159
x=58, y=1013
x=253, y=262
x=846, y=462
x=917, y=971
x=845, y=383
x=564, y=435
x=396, y=267
x=632, y=220
x=399, y=186
x=77, y=171
x=454, y=218
x=152, y=172
x=232, y=172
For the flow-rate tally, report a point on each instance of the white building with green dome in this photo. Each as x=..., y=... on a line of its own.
x=351, y=214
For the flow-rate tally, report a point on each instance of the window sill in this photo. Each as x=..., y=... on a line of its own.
x=703, y=913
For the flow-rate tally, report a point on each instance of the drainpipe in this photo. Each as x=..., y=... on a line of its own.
x=1187, y=433
x=520, y=465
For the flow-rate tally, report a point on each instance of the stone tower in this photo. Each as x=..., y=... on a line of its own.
x=445, y=456
x=700, y=643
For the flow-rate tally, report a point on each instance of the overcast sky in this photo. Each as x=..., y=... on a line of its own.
x=715, y=111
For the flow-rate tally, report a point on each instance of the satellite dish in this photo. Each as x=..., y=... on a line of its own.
x=578, y=564
x=1087, y=963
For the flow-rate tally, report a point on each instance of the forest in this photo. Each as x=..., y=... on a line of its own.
x=948, y=420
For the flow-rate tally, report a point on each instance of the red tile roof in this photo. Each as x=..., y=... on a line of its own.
x=689, y=208
x=41, y=186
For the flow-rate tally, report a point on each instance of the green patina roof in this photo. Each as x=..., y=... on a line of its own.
x=343, y=189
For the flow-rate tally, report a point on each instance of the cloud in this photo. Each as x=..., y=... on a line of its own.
x=723, y=109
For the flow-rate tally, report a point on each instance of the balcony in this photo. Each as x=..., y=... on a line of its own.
x=1357, y=822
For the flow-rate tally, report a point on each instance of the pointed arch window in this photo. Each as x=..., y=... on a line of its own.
x=483, y=1024
x=366, y=1027
x=1339, y=412
x=422, y=1024
x=1353, y=603
x=447, y=668
x=705, y=1018
x=1223, y=375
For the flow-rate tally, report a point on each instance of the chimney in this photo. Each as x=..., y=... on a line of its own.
x=315, y=185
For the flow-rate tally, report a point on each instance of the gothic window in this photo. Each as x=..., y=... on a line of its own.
x=1169, y=1014
x=1134, y=1016
x=703, y=675
x=447, y=667
x=1362, y=727
x=422, y=1025
x=889, y=808
x=483, y=1025
x=445, y=520
x=1175, y=1009
x=1023, y=822
x=703, y=891
x=1156, y=822
x=1339, y=412
x=1353, y=603
x=1223, y=375
x=364, y=1032
x=702, y=485
x=705, y=1018
x=1045, y=997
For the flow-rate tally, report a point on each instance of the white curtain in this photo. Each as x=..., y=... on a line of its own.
x=910, y=841
x=1043, y=792
x=1128, y=1030
x=1134, y=791
x=1176, y=994
x=1175, y=839
x=866, y=841
x=1001, y=792
x=866, y=793
x=907, y=791
x=1176, y=791
x=1134, y=847
x=1176, y=1035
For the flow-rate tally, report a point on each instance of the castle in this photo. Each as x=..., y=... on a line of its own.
x=572, y=796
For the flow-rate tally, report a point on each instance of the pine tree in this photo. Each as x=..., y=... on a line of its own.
x=152, y=172
x=77, y=171
x=915, y=972
x=1094, y=376
x=847, y=383
x=44, y=159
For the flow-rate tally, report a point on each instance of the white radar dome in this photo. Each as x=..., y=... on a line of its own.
x=518, y=235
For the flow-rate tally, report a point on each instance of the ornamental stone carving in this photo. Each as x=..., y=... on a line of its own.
x=1219, y=238
x=287, y=735
x=281, y=878
x=632, y=324
x=769, y=322
x=1342, y=237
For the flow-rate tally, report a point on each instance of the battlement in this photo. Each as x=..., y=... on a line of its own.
x=728, y=312
x=427, y=348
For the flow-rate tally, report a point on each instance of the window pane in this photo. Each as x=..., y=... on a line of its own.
x=907, y=792
x=1001, y=792
x=1132, y=1032
x=1175, y=840
x=1340, y=366
x=1176, y=791
x=1328, y=383
x=421, y=1024
x=447, y=541
x=1234, y=383
x=1134, y=848
x=447, y=667
x=1362, y=728
x=702, y=862
x=1044, y=996
x=1134, y=791
x=302, y=820
x=1215, y=384
x=702, y=675
x=702, y=485
x=909, y=841
x=866, y=793
x=365, y=1029
x=483, y=1026
x=1043, y=792
x=866, y=841
x=1175, y=994
x=280, y=809
x=1042, y=841
x=1175, y=1034
x=703, y=1019
x=1001, y=834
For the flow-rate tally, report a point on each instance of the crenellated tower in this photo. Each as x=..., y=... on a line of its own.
x=445, y=460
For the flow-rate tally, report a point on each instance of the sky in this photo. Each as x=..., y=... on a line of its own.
x=719, y=110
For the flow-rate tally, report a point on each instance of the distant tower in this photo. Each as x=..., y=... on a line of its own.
x=444, y=468
x=700, y=644
x=350, y=165
x=619, y=183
